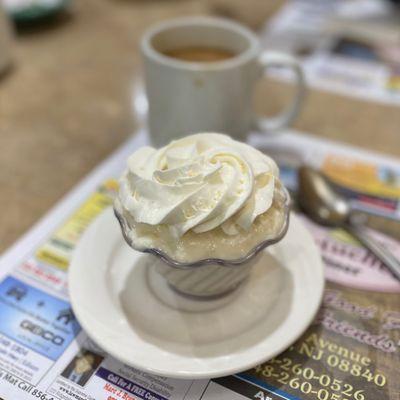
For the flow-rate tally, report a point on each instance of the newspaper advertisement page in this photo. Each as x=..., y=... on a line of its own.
x=351, y=351
x=350, y=47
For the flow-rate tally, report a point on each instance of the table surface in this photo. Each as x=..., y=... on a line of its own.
x=66, y=103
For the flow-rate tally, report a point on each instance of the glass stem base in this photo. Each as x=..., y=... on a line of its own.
x=177, y=300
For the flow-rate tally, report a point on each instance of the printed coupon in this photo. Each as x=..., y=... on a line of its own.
x=35, y=329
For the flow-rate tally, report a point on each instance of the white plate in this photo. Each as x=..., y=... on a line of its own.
x=113, y=301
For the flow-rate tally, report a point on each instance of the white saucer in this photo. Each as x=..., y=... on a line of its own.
x=113, y=296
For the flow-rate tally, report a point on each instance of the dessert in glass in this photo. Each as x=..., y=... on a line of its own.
x=205, y=206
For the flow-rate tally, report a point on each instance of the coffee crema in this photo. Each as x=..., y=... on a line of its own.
x=200, y=54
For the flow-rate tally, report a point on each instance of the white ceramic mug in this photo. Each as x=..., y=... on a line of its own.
x=186, y=97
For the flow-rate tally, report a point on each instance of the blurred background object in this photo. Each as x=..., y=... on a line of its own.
x=32, y=10
x=5, y=41
x=350, y=47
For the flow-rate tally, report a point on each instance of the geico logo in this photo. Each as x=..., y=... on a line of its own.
x=39, y=331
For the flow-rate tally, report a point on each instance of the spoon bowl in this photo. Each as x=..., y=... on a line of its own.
x=322, y=204
x=318, y=199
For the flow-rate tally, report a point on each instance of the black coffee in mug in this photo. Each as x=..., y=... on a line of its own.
x=200, y=54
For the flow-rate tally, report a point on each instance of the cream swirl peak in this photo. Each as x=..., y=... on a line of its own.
x=198, y=183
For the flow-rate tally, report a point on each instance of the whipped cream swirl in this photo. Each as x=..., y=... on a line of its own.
x=198, y=183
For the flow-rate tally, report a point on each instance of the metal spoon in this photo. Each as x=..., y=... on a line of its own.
x=322, y=204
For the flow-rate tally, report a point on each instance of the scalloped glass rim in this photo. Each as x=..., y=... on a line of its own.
x=125, y=228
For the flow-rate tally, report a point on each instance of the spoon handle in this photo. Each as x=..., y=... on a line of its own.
x=386, y=256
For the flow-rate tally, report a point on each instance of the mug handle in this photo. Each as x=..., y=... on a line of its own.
x=276, y=59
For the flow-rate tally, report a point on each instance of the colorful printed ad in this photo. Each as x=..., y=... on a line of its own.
x=35, y=319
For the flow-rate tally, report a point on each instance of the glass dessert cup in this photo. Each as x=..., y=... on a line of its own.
x=208, y=278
